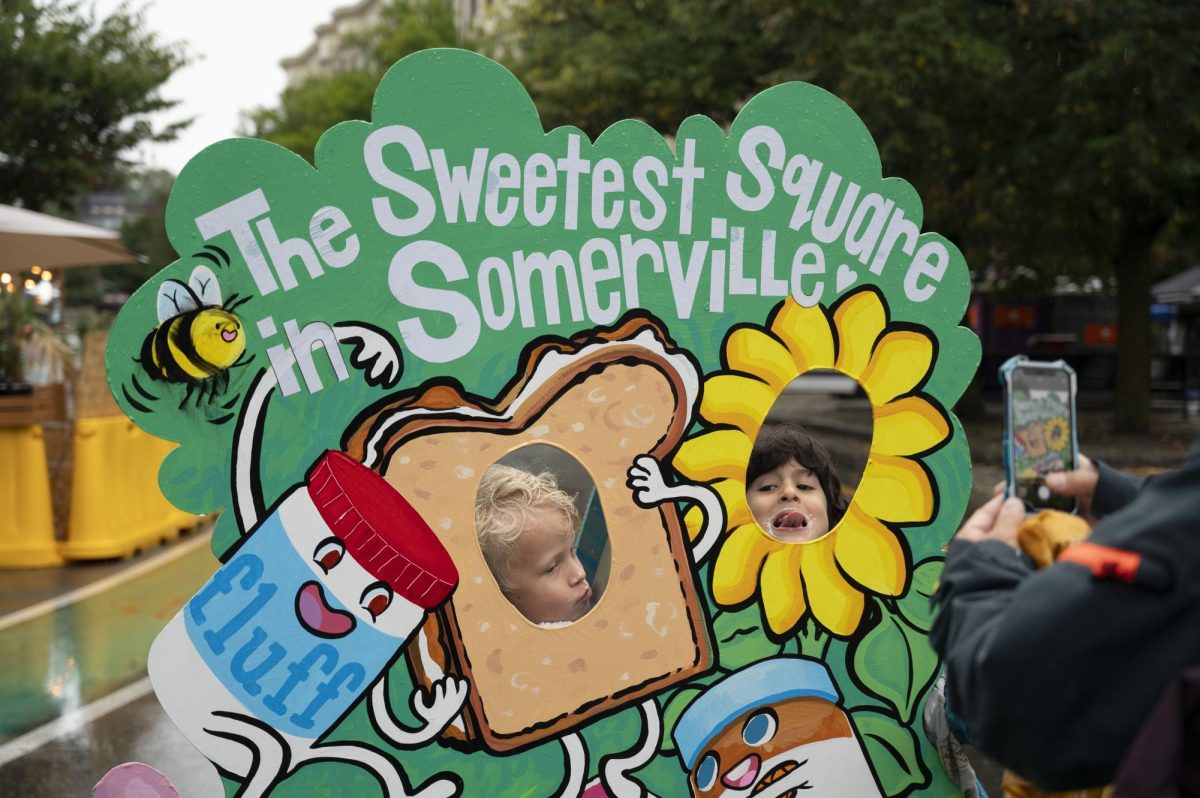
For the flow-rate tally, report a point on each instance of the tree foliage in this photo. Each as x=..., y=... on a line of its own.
x=590, y=63
x=76, y=94
x=309, y=109
x=1060, y=136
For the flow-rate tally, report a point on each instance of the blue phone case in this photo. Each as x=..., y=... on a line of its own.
x=1005, y=373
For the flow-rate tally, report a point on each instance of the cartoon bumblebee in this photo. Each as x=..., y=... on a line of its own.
x=198, y=340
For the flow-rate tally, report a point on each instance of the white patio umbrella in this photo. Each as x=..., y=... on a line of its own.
x=29, y=239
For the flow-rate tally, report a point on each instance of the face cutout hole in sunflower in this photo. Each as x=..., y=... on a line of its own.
x=798, y=484
x=864, y=552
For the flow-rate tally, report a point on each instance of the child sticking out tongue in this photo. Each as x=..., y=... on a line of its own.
x=792, y=489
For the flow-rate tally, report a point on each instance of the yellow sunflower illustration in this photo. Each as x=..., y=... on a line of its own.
x=1057, y=433
x=828, y=577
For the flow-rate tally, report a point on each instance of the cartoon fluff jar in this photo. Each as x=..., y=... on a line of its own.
x=300, y=622
x=772, y=730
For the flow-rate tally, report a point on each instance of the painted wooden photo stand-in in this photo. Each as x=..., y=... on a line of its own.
x=477, y=402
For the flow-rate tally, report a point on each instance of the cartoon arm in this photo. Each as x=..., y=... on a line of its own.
x=374, y=352
x=437, y=708
x=649, y=489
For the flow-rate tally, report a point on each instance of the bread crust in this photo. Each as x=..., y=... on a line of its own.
x=605, y=397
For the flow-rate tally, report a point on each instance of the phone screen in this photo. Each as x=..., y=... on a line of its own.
x=1042, y=429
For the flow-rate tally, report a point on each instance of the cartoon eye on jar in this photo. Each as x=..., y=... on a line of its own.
x=302, y=620
x=772, y=730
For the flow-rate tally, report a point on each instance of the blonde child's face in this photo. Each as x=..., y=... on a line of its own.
x=548, y=583
x=788, y=503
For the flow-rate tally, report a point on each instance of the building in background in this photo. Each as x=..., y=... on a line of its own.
x=338, y=45
x=108, y=209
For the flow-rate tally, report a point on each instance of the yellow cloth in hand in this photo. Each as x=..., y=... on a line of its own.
x=1048, y=534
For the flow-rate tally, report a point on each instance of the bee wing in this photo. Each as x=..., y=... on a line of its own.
x=174, y=299
x=205, y=286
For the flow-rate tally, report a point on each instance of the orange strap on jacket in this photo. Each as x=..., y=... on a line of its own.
x=1104, y=562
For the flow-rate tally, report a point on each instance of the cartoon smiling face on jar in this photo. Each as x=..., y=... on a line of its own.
x=773, y=730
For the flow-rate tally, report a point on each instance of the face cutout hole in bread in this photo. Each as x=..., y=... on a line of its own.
x=541, y=529
x=807, y=456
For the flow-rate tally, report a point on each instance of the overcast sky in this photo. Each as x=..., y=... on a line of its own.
x=237, y=46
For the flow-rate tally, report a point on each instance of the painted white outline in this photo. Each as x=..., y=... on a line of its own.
x=74, y=720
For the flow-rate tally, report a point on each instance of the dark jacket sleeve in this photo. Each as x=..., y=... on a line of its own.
x=1114, y=490
x=1053, y=671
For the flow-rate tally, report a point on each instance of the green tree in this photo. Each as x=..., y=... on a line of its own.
x=144, y=234
x=590, y=63
x=77, y=93
x=1058, y=136
x=309, y=109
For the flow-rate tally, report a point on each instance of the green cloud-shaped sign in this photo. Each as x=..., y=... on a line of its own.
x=435, y=243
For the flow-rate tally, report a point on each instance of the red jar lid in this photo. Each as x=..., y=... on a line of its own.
x=381, y=530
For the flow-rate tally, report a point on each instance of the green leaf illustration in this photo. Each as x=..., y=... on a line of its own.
x=895, y=663
x=893, y=750
x=741, y=640
x=670, y=715
x=915, y=604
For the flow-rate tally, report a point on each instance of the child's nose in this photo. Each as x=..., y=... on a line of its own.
x=577, y=572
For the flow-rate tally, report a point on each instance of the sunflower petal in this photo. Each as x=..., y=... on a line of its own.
x=754, y=352
x=895, y=489
x=836, y=604
x=782, y=596
x=735, y=574
x=734, y=399
x=807, y=335
x=693, y=522
x=732, y=493
x=870, y=553
x=908, y=426
x=720, y=454
x=859, y=320
x=900, y=362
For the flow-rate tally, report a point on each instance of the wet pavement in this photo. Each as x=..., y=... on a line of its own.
x=75, y=696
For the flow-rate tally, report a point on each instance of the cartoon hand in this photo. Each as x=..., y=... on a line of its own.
x=444, y=702
x=375, y=353
x=646, y=481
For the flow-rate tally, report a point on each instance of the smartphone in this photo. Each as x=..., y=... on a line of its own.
x=1039, y=429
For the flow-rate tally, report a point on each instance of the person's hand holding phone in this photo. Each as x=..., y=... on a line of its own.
x=998, y=519
x=1079, y=484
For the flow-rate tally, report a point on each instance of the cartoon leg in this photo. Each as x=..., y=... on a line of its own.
x=649, y=489
x=574, y=766
x=615, y=769
x=269, y=757
x=437, y=708
x=385, y=769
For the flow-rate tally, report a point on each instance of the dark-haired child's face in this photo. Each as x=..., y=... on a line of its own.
x=788, y=503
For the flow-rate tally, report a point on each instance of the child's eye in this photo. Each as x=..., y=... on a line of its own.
x=329, y=553
x=376, y=598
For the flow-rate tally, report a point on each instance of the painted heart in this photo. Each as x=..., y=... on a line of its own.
x=846, y=277
x=317, y=616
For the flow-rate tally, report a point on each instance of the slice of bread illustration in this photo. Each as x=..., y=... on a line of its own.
x=604, y=397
